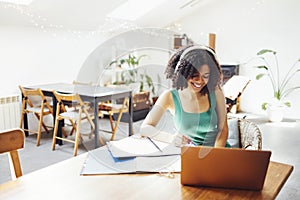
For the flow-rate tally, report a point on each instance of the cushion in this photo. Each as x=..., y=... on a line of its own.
x=233, y=132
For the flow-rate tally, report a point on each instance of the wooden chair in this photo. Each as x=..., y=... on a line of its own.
x=113, y=109
x=34, y=101
x=87, y=84
x=78, y=83
x=81, y=83
x=75, y=116
x=10, y=142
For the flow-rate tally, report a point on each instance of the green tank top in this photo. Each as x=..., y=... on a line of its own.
x=202, y=127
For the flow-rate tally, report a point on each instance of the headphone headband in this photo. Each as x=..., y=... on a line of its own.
x=191, y=48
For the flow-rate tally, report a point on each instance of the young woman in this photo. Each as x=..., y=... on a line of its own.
x=196, y=100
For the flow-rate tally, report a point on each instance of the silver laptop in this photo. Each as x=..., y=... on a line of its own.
x=224, y=167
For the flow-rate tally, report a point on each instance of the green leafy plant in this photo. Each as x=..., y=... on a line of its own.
x=131, y=60
x=130, y=75
x=133, y=73
x=148, y=80
x=280, y=88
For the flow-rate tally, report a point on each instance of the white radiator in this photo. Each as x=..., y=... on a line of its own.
x=9, y=112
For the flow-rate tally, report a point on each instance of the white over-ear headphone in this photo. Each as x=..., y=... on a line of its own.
x=191, y=48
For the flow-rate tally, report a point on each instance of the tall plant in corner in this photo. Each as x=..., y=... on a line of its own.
x=280, y=88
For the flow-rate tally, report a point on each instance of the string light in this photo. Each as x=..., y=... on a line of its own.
x=110, y=26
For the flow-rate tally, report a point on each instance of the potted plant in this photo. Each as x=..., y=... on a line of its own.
x=131, y=74
x=281, y=89
x=156, y=89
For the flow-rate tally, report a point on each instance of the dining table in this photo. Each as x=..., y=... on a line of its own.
x=90, y=93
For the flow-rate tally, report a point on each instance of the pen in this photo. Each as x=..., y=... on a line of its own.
x=184, y=140
x=154, y=144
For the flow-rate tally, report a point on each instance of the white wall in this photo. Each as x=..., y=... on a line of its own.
x=148, y=41
x=34, y=56
x=243, y=28
x=31, y=56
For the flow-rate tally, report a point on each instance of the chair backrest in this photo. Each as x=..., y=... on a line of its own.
x=10, y=141
x=34, y=98
x=67, y=98
x=250, y=135
x=82, y=83
x=243, y=133
x=70, y=99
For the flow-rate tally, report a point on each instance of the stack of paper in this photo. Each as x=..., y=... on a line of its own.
x=136, y=146
x=133, y=155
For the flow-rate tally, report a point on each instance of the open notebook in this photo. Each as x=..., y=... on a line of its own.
x=100, y=161
x=137, y=146
x=224, y=167
x=134, y=154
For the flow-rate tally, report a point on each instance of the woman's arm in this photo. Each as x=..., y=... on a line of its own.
x=148, y=127
x=222, y=119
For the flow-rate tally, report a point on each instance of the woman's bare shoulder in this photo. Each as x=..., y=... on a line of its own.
x=166, y=93
x=219, y=92
x=165, y=99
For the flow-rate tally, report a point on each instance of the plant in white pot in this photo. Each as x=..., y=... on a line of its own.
x=281, y=89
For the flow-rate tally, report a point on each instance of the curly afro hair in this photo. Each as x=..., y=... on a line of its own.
x=180, y=70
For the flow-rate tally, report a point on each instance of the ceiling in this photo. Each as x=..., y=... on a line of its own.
x=90, y=14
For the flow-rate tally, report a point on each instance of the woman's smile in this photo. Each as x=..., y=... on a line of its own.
x=200, y=79
x=197, y=85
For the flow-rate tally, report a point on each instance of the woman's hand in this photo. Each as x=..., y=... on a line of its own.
x=181, y=140
x=154, y=133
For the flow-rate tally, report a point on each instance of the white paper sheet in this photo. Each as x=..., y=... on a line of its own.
x=137, y=146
